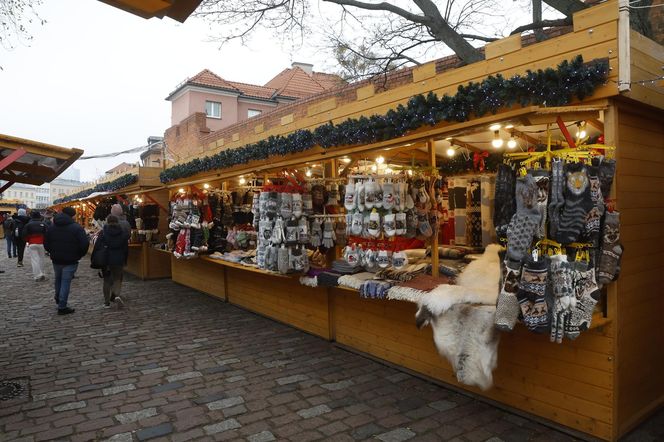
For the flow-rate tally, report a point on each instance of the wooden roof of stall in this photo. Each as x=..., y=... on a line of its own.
x=39, y=162
x=178, y=10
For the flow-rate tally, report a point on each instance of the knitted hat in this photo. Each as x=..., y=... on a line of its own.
x=116, y=209
x=35, y=214
x=21, y=212
x=69, y=211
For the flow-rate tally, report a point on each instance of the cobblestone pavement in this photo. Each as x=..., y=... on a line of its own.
x=177, y=365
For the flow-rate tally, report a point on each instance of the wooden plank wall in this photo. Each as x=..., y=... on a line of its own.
x=571, y=384
x=135, y=262
x=158, y=264
x=646, y=61
x=640, y=192
x=283, y=299
x=204, y=276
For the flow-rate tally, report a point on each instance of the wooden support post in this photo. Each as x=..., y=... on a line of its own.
x=434, y=238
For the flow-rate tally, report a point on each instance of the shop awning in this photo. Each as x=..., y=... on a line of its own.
x=178, y=10
x=32, y=162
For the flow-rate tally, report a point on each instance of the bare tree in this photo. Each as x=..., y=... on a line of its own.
x=15, y=18
x=368, y=37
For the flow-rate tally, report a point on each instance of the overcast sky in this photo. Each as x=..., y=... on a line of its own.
x=95, y=77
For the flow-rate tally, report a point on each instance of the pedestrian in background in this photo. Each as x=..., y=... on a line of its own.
x=114, y=241
x=116, y=210
x=34, y=233
x=66, y=242
x=20, y=221
x=9, y=225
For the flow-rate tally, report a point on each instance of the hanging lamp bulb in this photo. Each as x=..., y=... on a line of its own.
x=580, y=131
x=450, y=152
x=497, y=142
x=511, y=143
x=308, y=172
x=380, y=160
x=374, y=168
x=242, y=180
x=495, y=127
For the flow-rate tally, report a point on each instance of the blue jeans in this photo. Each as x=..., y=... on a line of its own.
x=11, y=246
x=63, y=276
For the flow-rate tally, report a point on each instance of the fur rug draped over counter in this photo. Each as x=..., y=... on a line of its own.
x=463, y=330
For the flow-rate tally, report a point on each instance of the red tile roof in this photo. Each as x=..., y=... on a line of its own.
x=209, y=78
x=253, y=90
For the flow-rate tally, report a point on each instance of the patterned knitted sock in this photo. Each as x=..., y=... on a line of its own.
x=316, y=233
x=423, y=223
x=507, y=308
x=607, y=170
x=282, y=260
x=297, y=205
x=564, y=300
x=525, y=221
x=611, y=250
x=587, y=295
x=531, y=295
x=303, y=231
x=592, y=223
x=286, y=209
x=307, y=204
x=272, y=204
x=400, y=223
x=578, y=203
x=504, y=199
x=542, y=180
x=557, y=199
x=328, y=234
x=291, y=232
x=411, y=224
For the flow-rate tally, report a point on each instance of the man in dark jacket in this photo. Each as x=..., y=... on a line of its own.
x=9, y=227
x=115, y=240
x=20, y=221
x=67, y=243
x=33, y=233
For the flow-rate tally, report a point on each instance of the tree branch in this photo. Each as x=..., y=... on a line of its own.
x=382, y=7
x=567, y=21
x=479, y=37
x=567, y=7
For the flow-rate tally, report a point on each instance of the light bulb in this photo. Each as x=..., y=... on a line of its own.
x=509, y=126
x=410, y=172
x=495, y=127
x=374, y=168
x=308, y=172
x=206, y=186
x=388, y=171
x=497, y=142
x=380, y=160
x=580, y=131
x=346, y=160
x=242, y=180
x=451, y=152
x=181, y=190
x=511, y=143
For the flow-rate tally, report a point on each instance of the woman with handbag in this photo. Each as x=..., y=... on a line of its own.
x=110, y=254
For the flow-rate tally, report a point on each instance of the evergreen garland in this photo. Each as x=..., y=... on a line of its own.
x=110, y=186
x=550, y=87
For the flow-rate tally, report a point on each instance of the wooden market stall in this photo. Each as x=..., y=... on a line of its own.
x=601, y=384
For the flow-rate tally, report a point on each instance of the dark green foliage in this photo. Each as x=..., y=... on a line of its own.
x=111, y=186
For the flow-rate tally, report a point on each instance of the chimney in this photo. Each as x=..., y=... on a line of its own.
x=306, y=67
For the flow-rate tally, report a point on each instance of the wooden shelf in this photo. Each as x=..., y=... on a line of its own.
x=247, y=268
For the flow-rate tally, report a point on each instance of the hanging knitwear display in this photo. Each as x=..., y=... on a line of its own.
x=474, y=213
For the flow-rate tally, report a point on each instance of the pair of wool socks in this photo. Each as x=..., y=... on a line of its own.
x=611, y=250
x=564, y=298
x=507, y=308
x=578, y=202
x=504, y=199
x=531, y=295
x=525, y=221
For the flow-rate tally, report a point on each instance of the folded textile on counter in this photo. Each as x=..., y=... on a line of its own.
x=341, y=266
x=374, y=289
x=355, y=281
x=328, y=279
x=403, y=274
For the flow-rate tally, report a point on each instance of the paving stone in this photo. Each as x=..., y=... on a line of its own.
x=126, y=418
x=209, y=398
x=70, y=406
x=292, y=379
x=93, y=362
x=398, y=435
x=167, y=387
x=443, y=405
x=225, y=403
x=54, y=394
x=263, y=436
x=217, y=369
x=228, y=424
x=183, y=376
x=314, y=411
x=121, y=437
x=338, y=385
x=118, y=389
x=234, y=411
x=366, y=431
x=154, y=370
x=153, y=432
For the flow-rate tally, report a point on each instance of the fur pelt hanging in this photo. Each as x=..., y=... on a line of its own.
x=464, y=333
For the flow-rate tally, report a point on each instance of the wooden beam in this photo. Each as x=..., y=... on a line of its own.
x=20, y=179
x=468, y=146
x=596, y=124
x=11, y=158
x=524, y=136
x=6, y=186
x=434, y=238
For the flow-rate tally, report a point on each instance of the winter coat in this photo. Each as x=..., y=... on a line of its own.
x=66, y=240
x=20, y=221
x=34, y=231
x=117, y=240
x=9, y=226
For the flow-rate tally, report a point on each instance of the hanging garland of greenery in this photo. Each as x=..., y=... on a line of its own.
x=110, y=186
x=550, y=87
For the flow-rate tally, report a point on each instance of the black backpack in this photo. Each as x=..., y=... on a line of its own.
x=99, y=257
x=9, y=226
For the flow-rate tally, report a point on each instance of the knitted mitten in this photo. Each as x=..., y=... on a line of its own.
x=356, y=223
x=400, y=260
x=423, y=223
x=383, y=259
x=295, y=260
x=265, y=230
x=400, y=223
x=286, y=205
x=282, y=260
x=370, y=190
x=388, y=196
x=611, y=250
x=297, y=205
x=374, y=224
x=504, y=199
x=379, y=195
x=303, y=231
x=349, y=199
x=587, y=294
x=564, y=298
x=307, y=204
x=525, y=221
x=557, y=199
x=411, y=224
x=607, y=170
x=507, y=308
x=278, y=234
x=360, y=195
x=532, y=289
x=578, y=203
x=316, y=233
x=291, y=232
x=389, y=224
x=542, y=180
x=328, y=234
x=272, y=204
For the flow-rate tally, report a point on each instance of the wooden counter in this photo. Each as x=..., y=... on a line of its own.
x=147, y=262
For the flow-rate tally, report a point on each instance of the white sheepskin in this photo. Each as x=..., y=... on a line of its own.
x=309, y=281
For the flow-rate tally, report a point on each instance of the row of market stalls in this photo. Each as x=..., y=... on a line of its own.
x=354, y=216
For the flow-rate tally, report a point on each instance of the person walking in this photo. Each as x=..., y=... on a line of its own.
x=34, y=232
x=20, y=221
x=116, y=210
x=66, y=242
x=9, y=225
x=115, y=240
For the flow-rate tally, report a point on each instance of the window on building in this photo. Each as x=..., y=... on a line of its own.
x=213, y=109
x=253, y=113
